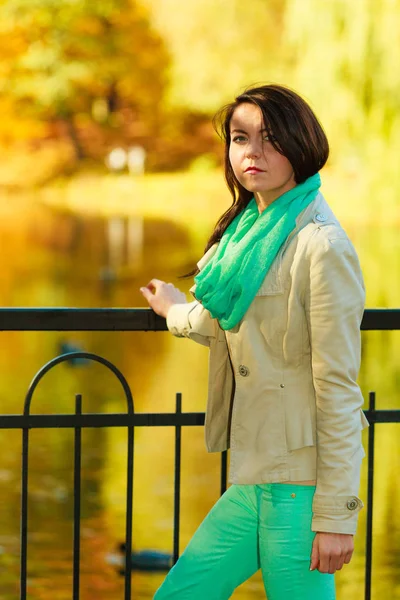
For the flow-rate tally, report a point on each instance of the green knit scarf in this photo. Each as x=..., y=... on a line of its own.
x=228, y=283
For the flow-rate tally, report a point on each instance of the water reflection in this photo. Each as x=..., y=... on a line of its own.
x=63, y=271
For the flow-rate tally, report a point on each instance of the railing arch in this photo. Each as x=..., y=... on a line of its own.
x=77, y=472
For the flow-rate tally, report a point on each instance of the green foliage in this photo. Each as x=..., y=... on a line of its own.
x=344, y=55
x=340, y=55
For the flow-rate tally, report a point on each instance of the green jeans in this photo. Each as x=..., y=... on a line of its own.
x=265, y=526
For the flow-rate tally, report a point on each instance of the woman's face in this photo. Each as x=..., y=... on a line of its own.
x=256, y=164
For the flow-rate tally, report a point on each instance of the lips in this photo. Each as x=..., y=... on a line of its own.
x=253, y=170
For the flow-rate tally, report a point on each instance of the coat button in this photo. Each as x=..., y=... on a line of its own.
x=352, y=504
x=243, y=371
x=320, y=218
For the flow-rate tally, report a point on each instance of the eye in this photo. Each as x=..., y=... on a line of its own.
x=238, y=139
x=268, y=137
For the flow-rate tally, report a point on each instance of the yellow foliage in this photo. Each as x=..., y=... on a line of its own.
x=22, y=168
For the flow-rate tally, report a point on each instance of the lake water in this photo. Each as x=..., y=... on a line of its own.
x=61, y=261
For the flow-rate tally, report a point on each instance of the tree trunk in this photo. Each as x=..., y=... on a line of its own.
x=74, y=139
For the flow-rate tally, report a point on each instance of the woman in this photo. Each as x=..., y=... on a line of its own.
x=279, y=298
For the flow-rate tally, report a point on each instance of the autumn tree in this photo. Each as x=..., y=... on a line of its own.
x=81, y=63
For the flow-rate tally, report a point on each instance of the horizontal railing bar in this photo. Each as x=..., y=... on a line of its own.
x=381, y=319
x=101, y=420
x=383, y=416
x=81, y=319
x=135, y=319
x=140, y=420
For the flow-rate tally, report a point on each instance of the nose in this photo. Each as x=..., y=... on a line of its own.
x=253, y=149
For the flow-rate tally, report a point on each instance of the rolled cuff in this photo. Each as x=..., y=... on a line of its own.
x=191, y=320
x=336, y=515
x=178, y=319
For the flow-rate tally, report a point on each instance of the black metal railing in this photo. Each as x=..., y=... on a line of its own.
x=66, y=319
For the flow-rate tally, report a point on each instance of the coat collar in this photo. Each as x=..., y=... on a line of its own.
x=207, y=256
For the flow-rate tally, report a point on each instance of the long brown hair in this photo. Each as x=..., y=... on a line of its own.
x=295, y=132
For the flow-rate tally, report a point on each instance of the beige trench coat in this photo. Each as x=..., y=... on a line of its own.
x=282, y=391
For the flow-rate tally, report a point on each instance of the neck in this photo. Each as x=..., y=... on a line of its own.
x=265, y=198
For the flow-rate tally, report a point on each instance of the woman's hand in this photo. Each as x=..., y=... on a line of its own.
x=330, y=551
x=164, y=296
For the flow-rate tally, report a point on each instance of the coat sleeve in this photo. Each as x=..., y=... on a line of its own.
x=193, y=321
x=334, y=303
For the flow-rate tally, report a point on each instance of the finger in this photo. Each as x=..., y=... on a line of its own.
x=348, y=557
x=147, y=293
x=336, y=562
x=155, y=283
x=333, y=565
x=324, y=563
x=316, y=567
x=339, y=565
x=314, y=556
x=314, y=564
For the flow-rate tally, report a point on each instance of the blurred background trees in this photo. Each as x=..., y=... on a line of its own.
x=86, y=75
x=91, y=73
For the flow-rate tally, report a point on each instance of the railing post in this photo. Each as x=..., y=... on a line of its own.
x=177, y=479
x=370, y=496
x=224, y=461
x=24, y=513
x=77, y=499
x=129, y=511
